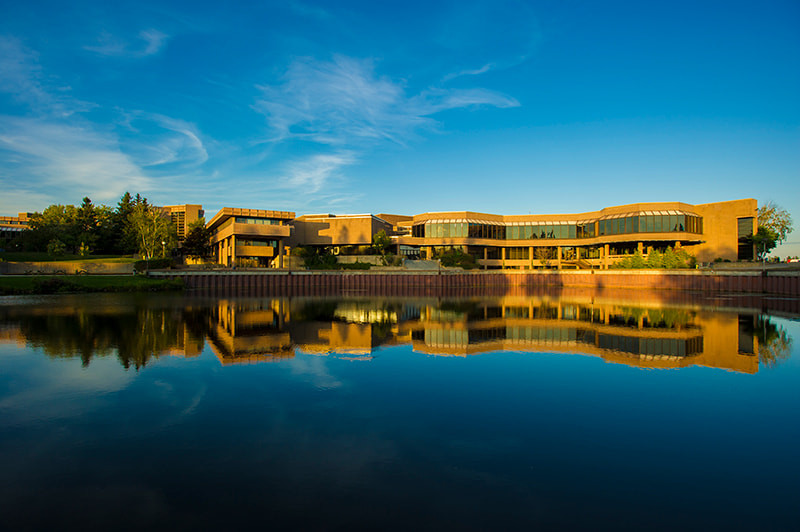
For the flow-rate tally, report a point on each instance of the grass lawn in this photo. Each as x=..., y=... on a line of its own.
x=22, y=256
x=54, y=284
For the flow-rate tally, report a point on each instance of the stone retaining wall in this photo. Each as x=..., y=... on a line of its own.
x=66, y=268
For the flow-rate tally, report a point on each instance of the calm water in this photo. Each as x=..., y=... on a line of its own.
x=506, y=413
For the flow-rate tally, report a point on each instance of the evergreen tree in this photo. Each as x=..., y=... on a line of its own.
x=197, y=243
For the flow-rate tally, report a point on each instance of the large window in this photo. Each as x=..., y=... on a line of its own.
x=520, y=253
x=745, y=232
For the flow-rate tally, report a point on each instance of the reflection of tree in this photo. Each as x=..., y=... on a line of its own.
x=774, y=345
x=136, y=335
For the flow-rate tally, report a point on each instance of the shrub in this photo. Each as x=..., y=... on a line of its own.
x=457, y=258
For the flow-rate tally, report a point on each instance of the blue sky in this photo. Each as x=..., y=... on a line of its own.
x=348, y=107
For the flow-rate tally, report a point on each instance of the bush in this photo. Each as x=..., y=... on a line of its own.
x=457, y=258
x=354, y=266
x=56, y=248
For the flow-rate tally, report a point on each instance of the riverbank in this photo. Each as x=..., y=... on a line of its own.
x=59, y=284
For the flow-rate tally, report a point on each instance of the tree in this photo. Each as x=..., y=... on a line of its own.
x=381, y=242
x=155, y=233
x=771, y=216
x=197, y=243
x=764, y=241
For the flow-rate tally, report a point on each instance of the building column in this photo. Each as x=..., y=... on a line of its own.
x=485, y=258
x=558, y=257
x=233, y=249
x=530, y=257
x=280, y=254
x=503, y=258
x=605, y=256
x=640, y=247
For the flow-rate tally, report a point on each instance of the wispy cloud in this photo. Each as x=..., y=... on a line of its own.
x=475, y=72
x=160, y=140
x=344, y=104
x=22, y=78
x=148, y=42
x=60, y=159
x=312, y=173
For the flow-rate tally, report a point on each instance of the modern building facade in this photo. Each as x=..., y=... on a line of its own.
x=250, y=237
x=588, y=240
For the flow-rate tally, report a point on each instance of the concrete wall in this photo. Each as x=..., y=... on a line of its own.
x=720, y=228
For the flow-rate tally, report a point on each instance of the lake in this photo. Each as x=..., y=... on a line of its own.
x=558, y=410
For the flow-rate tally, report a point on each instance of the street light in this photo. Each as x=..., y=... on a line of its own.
x=163, y=248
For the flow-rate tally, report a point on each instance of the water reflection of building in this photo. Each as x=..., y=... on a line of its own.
x=241, y=333
x=645, y=333
x=644, y=337
x=648, y=337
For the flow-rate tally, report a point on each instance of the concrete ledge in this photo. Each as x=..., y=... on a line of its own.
x=66, y=268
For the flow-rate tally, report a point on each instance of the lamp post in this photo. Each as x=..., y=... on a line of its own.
x=163, y=248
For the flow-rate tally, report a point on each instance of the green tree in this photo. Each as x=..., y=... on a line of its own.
x=125, y=239
x=381, y=242
x=155, y=233
x=765, y=240
x=55, y=222
x=86, y=220
x=197, y=243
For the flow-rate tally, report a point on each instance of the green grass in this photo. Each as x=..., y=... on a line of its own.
x=22, y=256
x=56, y=284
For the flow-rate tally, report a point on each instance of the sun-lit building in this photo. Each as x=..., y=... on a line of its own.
x=588, y=240
x=250, y=237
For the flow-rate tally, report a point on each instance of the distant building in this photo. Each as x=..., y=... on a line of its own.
x=183, y=216
x=250, y=237
x=11, y=226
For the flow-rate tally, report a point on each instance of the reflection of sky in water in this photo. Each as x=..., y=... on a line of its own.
x=403, y=440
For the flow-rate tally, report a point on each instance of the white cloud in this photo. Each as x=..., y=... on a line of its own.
x=62, y=156
x=149, y=42
x=312, y=173
x=345, y=104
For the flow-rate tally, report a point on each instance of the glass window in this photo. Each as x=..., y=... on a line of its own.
x=573, y=232
x=657, y=227
x=635, y=224
x=650, y=223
